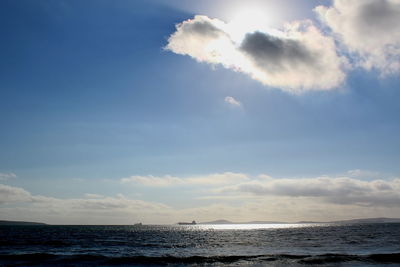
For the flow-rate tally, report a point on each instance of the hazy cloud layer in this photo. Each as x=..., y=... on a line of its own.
x=232, y=196
x=212, y=179
x=18, y=203
x=369, y=28
x=364, y=174
x=296, y=59
x=13, y=194
x=7, y=176
x=344, y=190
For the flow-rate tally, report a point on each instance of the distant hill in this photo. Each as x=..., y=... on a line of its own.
x=218, y=222
x=367, y=220
x=371, y=220
x=2, y=222
x=266, y=222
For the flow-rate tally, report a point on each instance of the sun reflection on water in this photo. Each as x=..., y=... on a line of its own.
x=255, y=226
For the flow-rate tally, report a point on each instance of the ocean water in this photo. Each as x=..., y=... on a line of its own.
x=202, y=245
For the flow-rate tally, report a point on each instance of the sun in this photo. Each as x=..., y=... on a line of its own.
x=245, y=19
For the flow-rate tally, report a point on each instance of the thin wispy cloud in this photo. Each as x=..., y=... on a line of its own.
x=211, y=179
x=232, y=101
x=7, y=176
x=89, y=195
x=364, y=174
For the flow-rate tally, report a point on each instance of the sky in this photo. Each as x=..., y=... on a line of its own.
x=156, y=111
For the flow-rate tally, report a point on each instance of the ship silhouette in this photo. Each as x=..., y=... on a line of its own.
x=187, y=223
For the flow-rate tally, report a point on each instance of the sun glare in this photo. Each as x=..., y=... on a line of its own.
x=248, y=19
x=257, y=226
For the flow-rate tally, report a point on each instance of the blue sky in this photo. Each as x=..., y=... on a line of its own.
x=90, y=96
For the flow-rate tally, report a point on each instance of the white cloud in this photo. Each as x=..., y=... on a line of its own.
x=264, y=176
x=298, y=58
x=352, y=190
x=364, y=174
x=7, y=176
x=19, y=204
x=9, y=194
x=151, y=180
x=239, y=199
x=212, y=179
x=343, y=190
x=89, y=195
x=338, y=190
x=369, y=28
x=232, y=101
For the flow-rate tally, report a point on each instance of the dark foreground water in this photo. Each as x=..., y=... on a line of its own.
x=226, y=245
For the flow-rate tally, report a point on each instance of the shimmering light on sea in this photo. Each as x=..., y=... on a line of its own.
x=255, y=226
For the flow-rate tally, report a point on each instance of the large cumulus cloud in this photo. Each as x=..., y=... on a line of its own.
x=368, y=28
x=296, y=59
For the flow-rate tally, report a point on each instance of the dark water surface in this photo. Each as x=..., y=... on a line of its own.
x=219, y=245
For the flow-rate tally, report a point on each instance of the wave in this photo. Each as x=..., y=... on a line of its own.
x=98, y=260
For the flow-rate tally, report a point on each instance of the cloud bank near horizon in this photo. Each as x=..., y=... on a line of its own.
x=229, y=195
x=343, y=190
x=299, y=57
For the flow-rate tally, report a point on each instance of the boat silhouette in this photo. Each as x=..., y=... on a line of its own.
x=187, y=223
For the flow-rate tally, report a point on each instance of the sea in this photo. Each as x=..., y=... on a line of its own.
x=202, y=245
